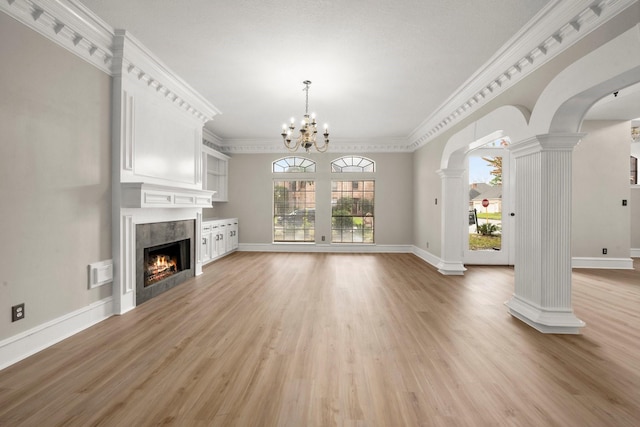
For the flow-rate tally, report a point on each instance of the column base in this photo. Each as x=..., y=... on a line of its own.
x=451, y=268
x=545, y=321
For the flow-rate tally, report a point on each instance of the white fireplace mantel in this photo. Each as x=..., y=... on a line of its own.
x=143, y=195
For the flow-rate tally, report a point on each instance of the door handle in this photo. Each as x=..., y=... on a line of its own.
x=512, y=214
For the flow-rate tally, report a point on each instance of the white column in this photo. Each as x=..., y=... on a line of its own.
x=542, y=296
x=453, y=225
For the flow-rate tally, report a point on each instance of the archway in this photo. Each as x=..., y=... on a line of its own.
x=504, y=121
x=542, y=296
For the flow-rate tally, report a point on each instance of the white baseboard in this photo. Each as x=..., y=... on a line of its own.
x=609, y=263
x=326, y=248
x=428, y=257
x=27, y=343
x=635, y=252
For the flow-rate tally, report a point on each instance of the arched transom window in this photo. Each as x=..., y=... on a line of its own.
x=353, y=164
x=294, y=164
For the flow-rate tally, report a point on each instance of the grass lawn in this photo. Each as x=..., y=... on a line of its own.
x=489, y=215
x=478, y=242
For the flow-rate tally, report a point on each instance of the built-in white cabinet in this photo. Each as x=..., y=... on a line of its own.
x=219, y=238
x=232, y=235
x=206, y=243
x=215, y=173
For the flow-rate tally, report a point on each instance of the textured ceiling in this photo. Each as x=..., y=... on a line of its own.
x=379, y=68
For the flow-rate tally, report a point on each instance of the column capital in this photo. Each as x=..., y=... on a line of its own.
x=546, y=143
x=450, y=173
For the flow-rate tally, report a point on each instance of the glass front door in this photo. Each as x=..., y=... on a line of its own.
x=490, y=218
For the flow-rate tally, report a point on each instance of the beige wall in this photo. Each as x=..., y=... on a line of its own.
x=428, y=188
x=634, y=206
x=54, y=177
x=250, y=195
x=600, y=183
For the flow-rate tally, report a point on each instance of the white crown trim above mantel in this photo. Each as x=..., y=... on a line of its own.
x=71, y=25
x=132, y=58
x=141, y=195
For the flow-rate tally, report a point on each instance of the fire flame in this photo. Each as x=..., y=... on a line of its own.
x=159, y=267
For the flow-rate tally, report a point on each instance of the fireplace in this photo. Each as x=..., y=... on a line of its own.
x=163, y=261
x=164, y=257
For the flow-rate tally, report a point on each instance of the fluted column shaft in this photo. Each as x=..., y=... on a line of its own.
x=542, y=296
x=452, y=226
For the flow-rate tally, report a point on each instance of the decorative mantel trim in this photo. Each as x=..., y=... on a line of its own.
x=132, y=58
x=141, y=195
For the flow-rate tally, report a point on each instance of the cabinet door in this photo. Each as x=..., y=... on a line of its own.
x=205, y=245
x=222, y=241
x=232, y=243
x=215, y=238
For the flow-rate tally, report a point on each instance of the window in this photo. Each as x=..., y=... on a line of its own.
x=352, y=202
x=352, y=216
x=353, y=164
x=293, y=164
x=294, y=211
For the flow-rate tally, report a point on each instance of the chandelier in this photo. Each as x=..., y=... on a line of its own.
x=308, y=130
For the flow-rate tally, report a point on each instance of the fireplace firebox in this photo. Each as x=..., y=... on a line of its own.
x=164, y=257
x=163, y=261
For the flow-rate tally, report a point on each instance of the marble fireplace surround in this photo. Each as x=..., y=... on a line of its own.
x=159, y=233
x=140, y=206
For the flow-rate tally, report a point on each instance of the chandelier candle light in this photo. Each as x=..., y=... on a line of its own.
x=308, y=130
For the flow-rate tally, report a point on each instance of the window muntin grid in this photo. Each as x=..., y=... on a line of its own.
x=353, y=164
x=294, y=206
x=293, y=164
x=352, y=211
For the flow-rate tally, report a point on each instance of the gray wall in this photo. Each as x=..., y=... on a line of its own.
x=54, y=177
x=251, y=189
x=600, y=183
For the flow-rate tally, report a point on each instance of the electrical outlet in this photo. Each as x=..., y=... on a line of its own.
x=323, y=238
x=427, y=245
x=17, y=312
x=604, y=251
x=624, y=202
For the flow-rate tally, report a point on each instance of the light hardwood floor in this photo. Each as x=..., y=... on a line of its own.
x=340, y=339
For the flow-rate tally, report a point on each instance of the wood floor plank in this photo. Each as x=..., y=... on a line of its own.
x=264, y=339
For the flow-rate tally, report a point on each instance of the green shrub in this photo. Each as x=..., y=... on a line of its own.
x=487, y=229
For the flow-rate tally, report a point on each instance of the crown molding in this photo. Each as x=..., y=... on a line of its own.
x=68, y=24
x=71, y=25
x=558, y=26
x=132, y=58
x=338, y=145
x=211, y=140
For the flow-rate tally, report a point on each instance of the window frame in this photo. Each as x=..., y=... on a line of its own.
x=343, y=181
x=294, y=219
